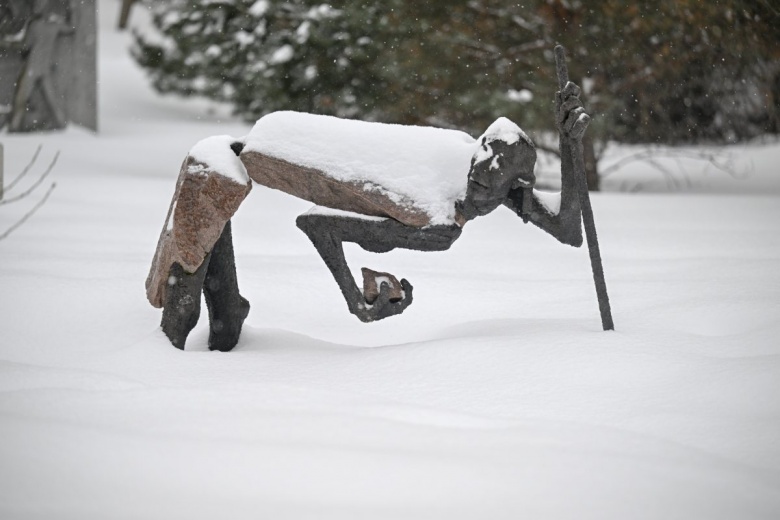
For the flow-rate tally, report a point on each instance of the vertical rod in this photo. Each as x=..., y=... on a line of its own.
x=2, y=164
x=587, y=209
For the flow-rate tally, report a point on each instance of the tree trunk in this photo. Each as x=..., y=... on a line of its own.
x=591, y=165
x=1, y=171
x=124, y=15
x=774, y=114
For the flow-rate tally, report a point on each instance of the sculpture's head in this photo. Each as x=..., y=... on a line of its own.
x=505, y=160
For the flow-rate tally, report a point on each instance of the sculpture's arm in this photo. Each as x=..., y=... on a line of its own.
x=557, y=214
x=328, y=232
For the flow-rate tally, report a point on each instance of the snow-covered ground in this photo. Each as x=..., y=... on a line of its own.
x=495, y=395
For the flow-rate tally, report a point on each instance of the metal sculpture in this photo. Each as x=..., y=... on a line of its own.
x=195, y=251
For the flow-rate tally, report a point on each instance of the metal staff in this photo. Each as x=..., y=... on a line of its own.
x=575, y=145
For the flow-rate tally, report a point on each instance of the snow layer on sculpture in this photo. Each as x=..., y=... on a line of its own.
x=216, y=155
x=427, y=165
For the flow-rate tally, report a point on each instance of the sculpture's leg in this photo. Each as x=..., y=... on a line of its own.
x=51, y=99
x=195, y=249
x=327, y=233
x=21, y=97
x=182, y=302
x=328, y=243
x=204, y=201
x=227, y=308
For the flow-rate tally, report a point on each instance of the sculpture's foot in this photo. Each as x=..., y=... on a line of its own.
x=226, y=325
x=182, y=303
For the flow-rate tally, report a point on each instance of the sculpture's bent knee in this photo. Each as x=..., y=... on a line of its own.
x=212, y=184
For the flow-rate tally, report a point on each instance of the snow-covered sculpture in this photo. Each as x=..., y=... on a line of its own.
x=379, y=186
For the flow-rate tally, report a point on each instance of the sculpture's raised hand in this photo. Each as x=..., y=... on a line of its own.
x=571, y=118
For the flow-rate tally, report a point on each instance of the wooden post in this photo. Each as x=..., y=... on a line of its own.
x=587, y=209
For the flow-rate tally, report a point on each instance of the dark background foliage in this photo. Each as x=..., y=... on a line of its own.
x=670, y=71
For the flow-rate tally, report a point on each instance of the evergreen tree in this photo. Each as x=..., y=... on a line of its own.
x=674, y=71
x=260, y=55
x=388, y=60
x=669, y=71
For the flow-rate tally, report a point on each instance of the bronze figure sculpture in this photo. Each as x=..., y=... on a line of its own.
x=195, y=250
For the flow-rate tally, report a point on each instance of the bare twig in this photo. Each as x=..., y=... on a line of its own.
x=672, y=181
x=36, y=184
x=29, y=213
x=548, y=149
x=528, y=47
x=530, y=26
x=674, y=175
x=25, y=170
x=29, y=190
